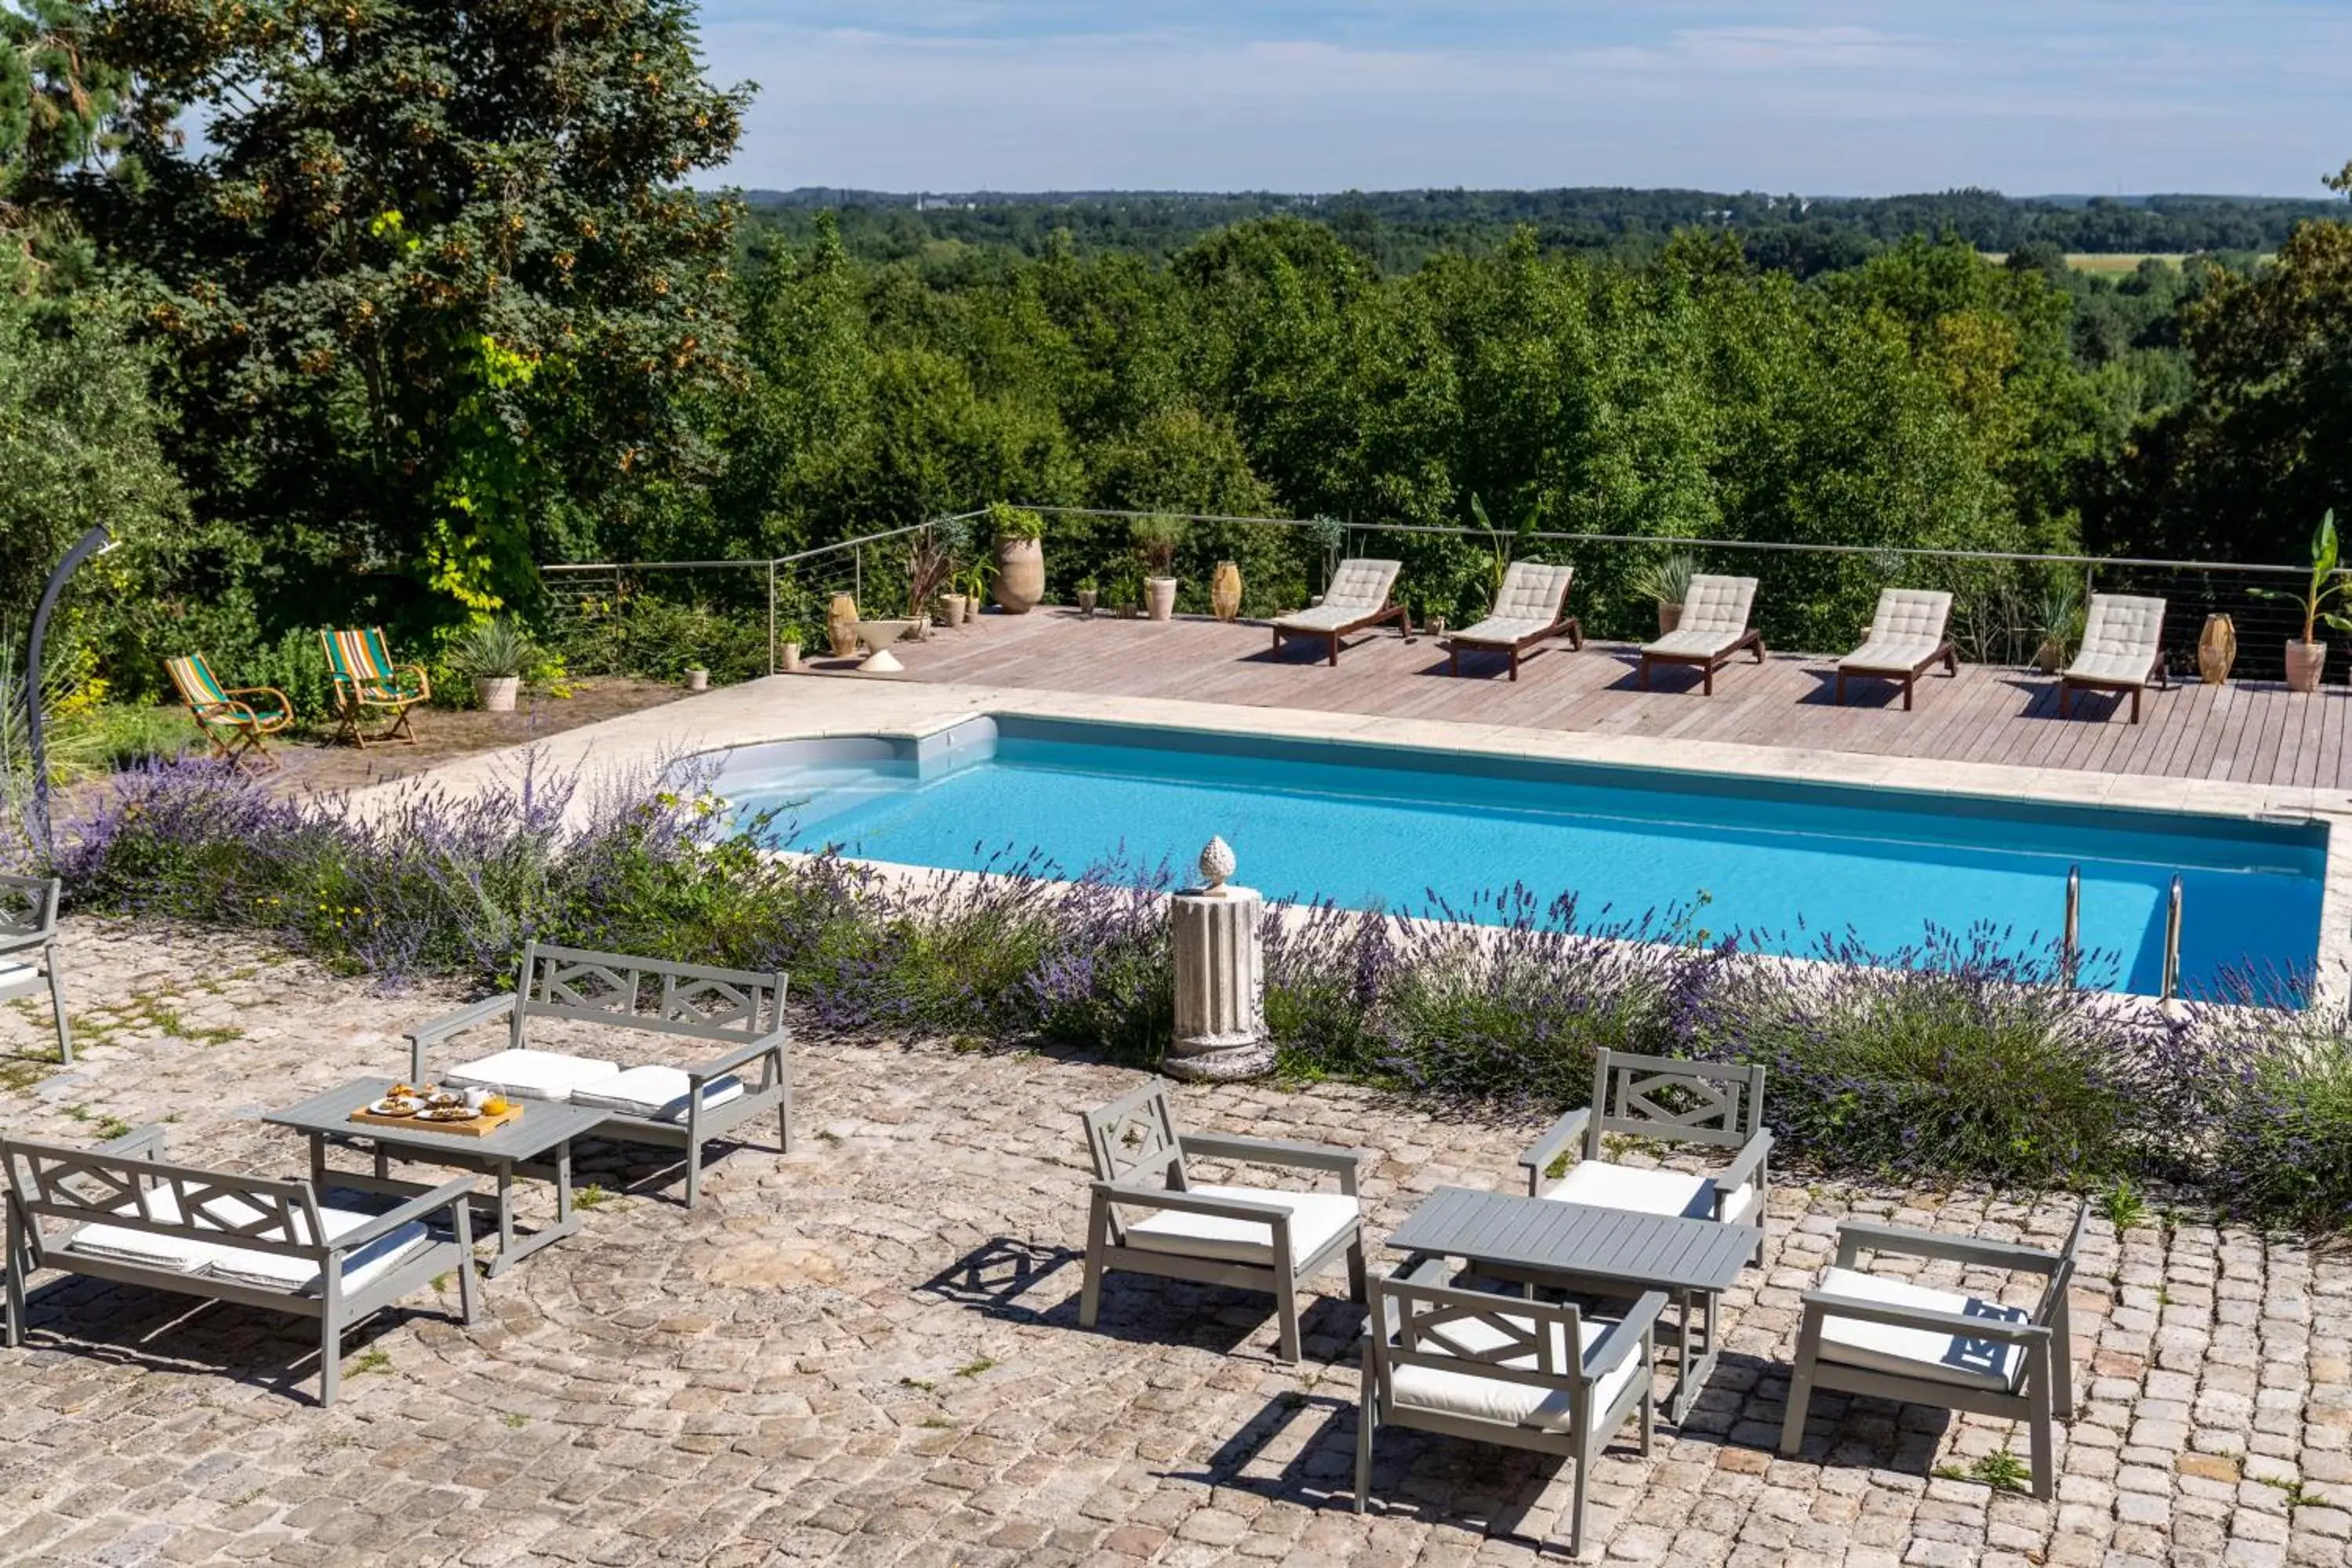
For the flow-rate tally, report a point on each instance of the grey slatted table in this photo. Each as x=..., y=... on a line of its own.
x=1581, y=1245
x=537, y=1145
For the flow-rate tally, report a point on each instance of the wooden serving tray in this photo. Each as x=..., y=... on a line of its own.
x=477, y=1127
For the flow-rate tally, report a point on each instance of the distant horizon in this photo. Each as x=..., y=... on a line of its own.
x=1852, y=98
x=2322, y=198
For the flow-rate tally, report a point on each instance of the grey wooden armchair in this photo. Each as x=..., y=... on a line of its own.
x=1497, y=1369
x=120, y=1212
x=1258, y=1238
x=1891, y=1339
x=664, y=1107
x=29, y=949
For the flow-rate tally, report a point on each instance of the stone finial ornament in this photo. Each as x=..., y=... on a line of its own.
x=1216, y=865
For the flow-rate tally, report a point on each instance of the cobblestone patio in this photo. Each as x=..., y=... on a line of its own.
x=867, y=1352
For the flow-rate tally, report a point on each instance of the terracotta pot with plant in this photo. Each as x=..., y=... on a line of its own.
x=493, y=654
x=1667, y=582
x=1156, y=541
x=2058, y=624
x=2306, y=657
x=792, y=639
x=1088, y=593
x=1020, y=536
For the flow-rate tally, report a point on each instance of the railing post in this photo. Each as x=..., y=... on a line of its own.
x=2070, y=953
x=772, y=617
x=2172, y=944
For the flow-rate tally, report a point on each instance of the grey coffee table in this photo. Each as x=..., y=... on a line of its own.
x=1581, y=1245
x=537, y=1145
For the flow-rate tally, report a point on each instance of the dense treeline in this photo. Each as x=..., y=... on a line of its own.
x=1400, y=229
x=431, y=300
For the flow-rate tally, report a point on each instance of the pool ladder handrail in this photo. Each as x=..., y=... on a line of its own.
x=2070, y=951
x=2172, y=944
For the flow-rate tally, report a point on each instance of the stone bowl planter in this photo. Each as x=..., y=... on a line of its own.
x=1020, y=575
x=495, y=693
x=1160, y=597
x=2305, y=662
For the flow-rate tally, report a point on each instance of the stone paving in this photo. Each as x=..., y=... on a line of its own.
x=867, y=1352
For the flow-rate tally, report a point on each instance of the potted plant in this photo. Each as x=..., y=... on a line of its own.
x=493, y=655
x=970, y=583
x=1087, y=592
x=2306, y=658
x=1020, y=549
x=1127, y=594
x=2059, y=623
x=1667, y=582
x=1433, y=621
x=792, y=639
x=931, y=569
x=1155, y=539
x=697, y=678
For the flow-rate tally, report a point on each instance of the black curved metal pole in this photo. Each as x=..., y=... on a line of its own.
x=87, y=545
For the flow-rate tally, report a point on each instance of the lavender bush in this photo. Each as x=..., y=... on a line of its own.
x=2279, y=1103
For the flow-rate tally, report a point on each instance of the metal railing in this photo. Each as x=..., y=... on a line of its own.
x=1812, y=596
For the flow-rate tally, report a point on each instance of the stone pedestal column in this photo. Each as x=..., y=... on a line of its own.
x=1220, y=978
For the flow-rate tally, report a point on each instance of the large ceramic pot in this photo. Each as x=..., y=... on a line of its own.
x=1669, y=618
x=2305, y=660
x=1160, y=597
x=2217, y=649
x=1225, y=591
x=1020, y=575
x=495, y=693
x=841, y=626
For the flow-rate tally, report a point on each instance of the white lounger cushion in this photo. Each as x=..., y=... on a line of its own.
x=1315, y=1219
x=15, y=977
x=276, y=1271
x=1905, y=634
x=1359, y=588
x=1714, y=617
x=656, y=1092
x=1643, y=1191
x=1491, y=1399
x=1527, y=604
x=2121, y=634
x=532, y=1074
x=1497, y=630
x=1920, y=1352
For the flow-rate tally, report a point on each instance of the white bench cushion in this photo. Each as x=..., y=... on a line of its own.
x=1315, y=1219
x=656, y=1092
x=16, y=978
x=1491, y=1399
x=532, y=1074
x=276, y=1271
x=1920, y=1353
x=1888, y=656
x=124, y=1243
x=1643, y=1191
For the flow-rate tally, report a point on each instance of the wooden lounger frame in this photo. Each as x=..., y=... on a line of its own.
x=1396, y=613
x=1706, y=664
x=1946, y=655
x=1567, y=627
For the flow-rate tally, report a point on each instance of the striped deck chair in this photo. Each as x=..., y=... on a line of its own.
x=365, y=680
x=229, y=716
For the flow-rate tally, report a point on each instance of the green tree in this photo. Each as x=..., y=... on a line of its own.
x=429, y=286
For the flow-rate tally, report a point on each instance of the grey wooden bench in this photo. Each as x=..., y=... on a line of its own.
x=671, y=1108
x=121, y=1212
x=29, y=949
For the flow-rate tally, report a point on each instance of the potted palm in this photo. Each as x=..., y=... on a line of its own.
x=2060, y=619
x=2306, y=657
x=493, y=655
x=1020, y=536
x=971, y=585
x=1155, y=539
x=1666, y=580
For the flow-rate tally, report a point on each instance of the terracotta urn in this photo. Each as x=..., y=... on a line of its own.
x=1160, y=597
x=2304, y=661
x=1020, y=575
x=1225, y=591
x=2217, y=649
x=840, y=624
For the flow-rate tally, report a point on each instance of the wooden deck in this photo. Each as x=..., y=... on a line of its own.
x=2245, y=732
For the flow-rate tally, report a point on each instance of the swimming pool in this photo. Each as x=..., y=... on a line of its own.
x=1413, y=831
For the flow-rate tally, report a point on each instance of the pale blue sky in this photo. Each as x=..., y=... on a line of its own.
x=1817, y=96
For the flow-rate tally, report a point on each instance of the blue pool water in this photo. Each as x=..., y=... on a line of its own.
x=1408, y=830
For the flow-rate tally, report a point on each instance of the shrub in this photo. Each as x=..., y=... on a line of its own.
x=2280, y=1112
x=1946, y=1057
x=658, y=639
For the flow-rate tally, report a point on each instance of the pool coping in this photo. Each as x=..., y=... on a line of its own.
x=815, y=706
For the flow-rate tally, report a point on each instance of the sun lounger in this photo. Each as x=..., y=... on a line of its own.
x=2121, y=649
x=1357, y=599
x=1530, y=608
x=1906, y=638
x=1713, y=627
